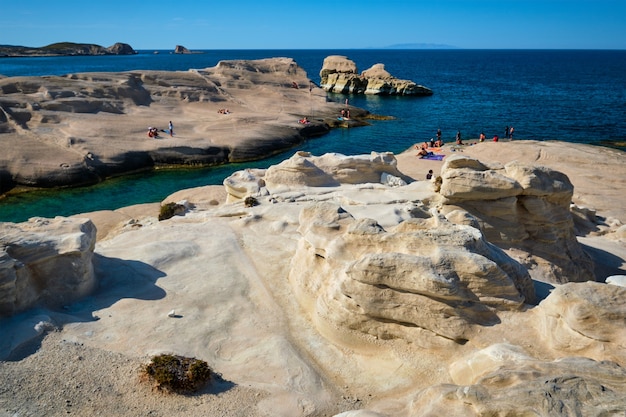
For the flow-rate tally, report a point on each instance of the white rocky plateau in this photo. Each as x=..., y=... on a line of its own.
x=346, y=286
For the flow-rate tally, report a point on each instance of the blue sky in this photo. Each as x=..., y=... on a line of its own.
x=323, y=24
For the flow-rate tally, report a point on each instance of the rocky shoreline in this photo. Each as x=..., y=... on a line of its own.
x=80, y=129
x=65, y=49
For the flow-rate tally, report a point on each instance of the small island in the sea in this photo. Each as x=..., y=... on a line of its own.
x=65, y=49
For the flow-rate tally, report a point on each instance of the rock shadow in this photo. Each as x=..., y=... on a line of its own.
x=23, y=333
x=605, y=263
x=217, y=385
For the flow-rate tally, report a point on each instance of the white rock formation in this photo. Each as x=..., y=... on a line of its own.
x=423, y=278
x=504, y=380
x=304, y=170
x=578, y=317
x=45, y=262
x=339, y=292
x=522, y=208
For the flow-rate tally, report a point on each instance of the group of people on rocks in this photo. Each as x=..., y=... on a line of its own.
x=153, y=132
x=508, y=133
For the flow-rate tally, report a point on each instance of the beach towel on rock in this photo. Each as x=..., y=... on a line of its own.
x=434, y=157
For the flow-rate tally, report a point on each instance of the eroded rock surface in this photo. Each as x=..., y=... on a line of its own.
x=45, y=262
x=578, y=317
x=79, y=129
x=520, y=207
x=504, y=380
x=339, y=75
x=346, y=285
x=422, y=278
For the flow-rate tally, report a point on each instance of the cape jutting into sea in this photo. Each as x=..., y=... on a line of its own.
x=570, y=95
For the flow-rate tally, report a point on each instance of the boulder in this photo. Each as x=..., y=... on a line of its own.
x=339, y=75
x=579, y=317
x=306, y=170
x=46, y=262
x=425, y=280
x=522, y=208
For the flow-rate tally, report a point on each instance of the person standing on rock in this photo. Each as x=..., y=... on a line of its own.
x=171, y=128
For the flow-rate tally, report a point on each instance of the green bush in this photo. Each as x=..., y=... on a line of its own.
x=169, y=210
x=250, y=201
x=177, y=374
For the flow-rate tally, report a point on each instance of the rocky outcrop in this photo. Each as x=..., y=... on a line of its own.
x=181, y=50
x=357, y=275
x=306, y=170
x=581, y=318
x=345, y=284
x=80, y=129
x=121, y=49
x=339, y=75
x=504, y=380
x=524, y=209
x=45, y=262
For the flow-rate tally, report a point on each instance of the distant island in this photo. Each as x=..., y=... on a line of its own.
x=420, y=46
x=65, y=49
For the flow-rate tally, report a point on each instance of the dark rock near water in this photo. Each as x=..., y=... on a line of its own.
x=181, y=50
x=66, y=49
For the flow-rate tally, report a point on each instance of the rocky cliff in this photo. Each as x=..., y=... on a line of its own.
x=339, y=75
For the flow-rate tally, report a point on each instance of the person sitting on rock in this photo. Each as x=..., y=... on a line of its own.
x=304, y=121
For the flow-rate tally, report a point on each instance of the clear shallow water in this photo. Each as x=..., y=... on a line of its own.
x=574, y=96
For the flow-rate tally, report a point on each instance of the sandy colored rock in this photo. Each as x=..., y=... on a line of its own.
x=83, y=128
x=224, y=269
x=585, y=316
x=339, y=75
x=521, y=207
x=45, y=262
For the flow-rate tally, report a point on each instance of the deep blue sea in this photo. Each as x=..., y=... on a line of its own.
x=569, y=95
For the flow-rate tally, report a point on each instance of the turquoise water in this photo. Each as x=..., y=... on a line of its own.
x=575, y=96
